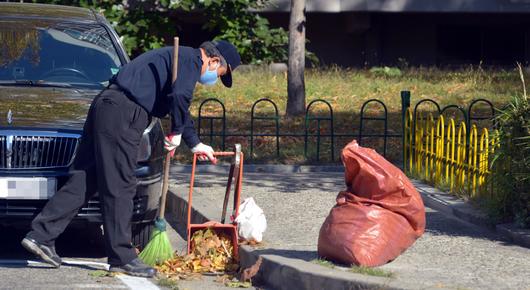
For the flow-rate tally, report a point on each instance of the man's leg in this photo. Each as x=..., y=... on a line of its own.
x=64, y=205
x=118, y=129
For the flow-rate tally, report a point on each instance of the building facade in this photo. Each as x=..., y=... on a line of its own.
x=445, y=33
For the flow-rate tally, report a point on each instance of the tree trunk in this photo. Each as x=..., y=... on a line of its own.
x=295, y=77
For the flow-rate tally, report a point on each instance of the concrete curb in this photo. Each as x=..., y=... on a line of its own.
x=449, y=204
x=280, y=272
x=287, y=273
x=518, y=236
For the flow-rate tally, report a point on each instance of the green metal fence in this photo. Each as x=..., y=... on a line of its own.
x=320, y=127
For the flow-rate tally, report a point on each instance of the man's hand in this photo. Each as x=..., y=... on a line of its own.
x=205, y=152
x=171, y=142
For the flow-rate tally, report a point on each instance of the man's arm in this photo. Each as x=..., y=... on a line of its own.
x=189, y=71
x=181, y=95
x=189, y=134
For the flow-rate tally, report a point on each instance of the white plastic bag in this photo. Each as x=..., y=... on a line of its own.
x=251, y=221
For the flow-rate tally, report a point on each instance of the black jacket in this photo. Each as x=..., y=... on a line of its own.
x=147, y=80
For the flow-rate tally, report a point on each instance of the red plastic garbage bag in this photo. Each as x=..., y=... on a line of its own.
x=377, y=218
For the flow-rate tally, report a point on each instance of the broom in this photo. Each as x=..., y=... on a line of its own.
x=159, y=249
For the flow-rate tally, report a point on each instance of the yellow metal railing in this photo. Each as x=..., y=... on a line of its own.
x=438, y=151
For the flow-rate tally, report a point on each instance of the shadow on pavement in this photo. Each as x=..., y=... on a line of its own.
x=440, y=224
x=284, y=183
x=74, y=243
x=294, y=254
x=26, y=266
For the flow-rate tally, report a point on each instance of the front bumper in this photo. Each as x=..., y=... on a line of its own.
x=14, y=212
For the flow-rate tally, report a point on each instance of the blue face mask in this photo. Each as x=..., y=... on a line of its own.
x=209, y=77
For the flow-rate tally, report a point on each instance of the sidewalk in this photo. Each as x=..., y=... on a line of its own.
x=452, y=254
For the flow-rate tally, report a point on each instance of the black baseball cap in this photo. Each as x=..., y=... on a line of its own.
x=233, y=60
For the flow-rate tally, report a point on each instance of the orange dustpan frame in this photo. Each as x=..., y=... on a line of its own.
x=230, y=229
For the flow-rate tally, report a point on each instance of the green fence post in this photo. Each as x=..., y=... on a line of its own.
x=405, y=104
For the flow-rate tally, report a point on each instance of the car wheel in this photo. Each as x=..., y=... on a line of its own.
x=141, y=233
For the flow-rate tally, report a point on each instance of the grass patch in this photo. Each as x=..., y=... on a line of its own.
x=371, y=271
x=169, y=283
x=324, y=263
x=356, y=269
x=101, y=273
x=346, y=90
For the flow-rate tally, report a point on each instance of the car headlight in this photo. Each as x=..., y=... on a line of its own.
x=144, y=150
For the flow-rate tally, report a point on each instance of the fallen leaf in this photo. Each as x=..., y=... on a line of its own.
x=100, y=273
x=238, y=284
x=224, y=278
x=205, y=263
x=251, y=271
x=210, y=252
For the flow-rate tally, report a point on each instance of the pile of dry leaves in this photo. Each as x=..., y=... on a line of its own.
x=210, y=252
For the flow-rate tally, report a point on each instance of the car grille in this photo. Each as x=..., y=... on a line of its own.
x=36, y=150
x=30, y=208
x=20, y=207
x=92, y=208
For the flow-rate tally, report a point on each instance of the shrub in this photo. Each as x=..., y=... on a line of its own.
x=512, y=161
x=386, y=71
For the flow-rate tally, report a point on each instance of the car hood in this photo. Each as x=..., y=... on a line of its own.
x=45, y=107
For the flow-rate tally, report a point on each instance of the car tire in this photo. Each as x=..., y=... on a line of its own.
x=141, y=233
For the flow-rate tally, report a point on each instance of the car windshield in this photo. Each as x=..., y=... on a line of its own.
x=51, y=53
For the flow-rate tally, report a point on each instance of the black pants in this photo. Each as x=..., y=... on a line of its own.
x=105, y=163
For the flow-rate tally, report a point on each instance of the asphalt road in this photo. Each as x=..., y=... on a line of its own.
x=84, y=254
x=21, y=270
x=82, y=251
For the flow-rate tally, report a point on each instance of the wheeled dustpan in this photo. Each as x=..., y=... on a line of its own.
x=235, y=176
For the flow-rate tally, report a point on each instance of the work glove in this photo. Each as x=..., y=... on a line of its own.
x=205, y=152
x=171, y=142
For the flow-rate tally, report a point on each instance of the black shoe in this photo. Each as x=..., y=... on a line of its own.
x=46, y=253
x=135, y=268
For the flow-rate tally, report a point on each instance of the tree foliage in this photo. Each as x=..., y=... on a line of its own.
x=148, y=24
x=14, y=40
x=248, y=31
